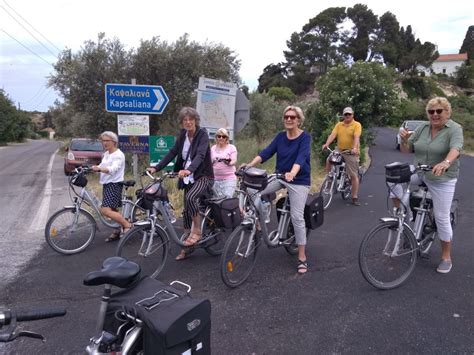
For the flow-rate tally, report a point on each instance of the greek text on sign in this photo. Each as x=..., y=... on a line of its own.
x=128, y=98
x=133, y=125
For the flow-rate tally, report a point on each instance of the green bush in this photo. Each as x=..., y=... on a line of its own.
x=282, y=94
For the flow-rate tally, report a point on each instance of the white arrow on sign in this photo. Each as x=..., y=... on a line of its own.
x=159, y=99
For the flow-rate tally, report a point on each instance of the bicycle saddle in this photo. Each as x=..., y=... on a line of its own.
x=115, y=271
x=128, y=183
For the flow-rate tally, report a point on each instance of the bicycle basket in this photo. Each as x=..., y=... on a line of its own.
x=79, y=180
x=255, y=178
x=335, y=158
x=397, y=172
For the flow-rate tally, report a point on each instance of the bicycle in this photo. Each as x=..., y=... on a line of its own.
x=10, y=317
x=240, y=250
x=337, y=180
x=389, y=251
x=73, y=228
x=148, y=242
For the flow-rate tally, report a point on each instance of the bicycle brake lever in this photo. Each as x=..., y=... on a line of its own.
x=26, y=334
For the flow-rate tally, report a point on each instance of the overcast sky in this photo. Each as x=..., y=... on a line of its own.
x=256, y=30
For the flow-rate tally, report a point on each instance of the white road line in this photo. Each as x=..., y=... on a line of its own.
x=41, y=216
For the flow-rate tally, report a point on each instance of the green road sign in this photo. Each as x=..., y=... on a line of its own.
x=159, y=147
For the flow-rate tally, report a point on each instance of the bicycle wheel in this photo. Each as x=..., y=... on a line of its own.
x=239, y=256
x=290, y=241
x=70, y=232
x=214, y=236
x=347, y=190
x=385, y=260
x=327, y=191
x=149, y=252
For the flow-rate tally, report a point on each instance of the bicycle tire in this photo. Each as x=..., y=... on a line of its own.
x=292, y=247
x=239, y=256
x=378, y=267
x=135, y=243
x=347, y=192
x=327, y=191
x=68, y=239
x=215, y=236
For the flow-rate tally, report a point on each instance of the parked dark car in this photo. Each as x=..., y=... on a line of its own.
x=82, y=151
x=410, y=126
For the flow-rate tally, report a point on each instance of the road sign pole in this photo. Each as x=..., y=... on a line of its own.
x=135, y=155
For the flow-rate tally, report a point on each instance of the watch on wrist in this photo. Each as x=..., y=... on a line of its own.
x=447, y=161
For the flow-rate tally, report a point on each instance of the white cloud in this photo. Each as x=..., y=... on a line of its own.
x=256, y=30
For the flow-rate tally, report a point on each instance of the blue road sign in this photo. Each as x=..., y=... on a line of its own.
x=128, y=98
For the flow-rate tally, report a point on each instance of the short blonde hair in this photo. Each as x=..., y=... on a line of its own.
x=439, y=101
x=222, y=132
x=298, y=110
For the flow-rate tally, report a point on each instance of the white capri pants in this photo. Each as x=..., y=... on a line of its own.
x=442, y=193
x=298, y=195
x=224, y=188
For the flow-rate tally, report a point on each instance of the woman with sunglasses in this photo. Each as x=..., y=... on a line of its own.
x=293, y=152
x=194, y=167
x=438, y=143
x=224, y=157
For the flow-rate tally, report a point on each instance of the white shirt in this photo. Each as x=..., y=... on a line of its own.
x=186, y=147
x=115, y=163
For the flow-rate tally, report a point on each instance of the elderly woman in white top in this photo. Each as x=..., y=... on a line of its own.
x=112, y=170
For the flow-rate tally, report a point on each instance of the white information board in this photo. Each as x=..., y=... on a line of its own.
x=133, y=125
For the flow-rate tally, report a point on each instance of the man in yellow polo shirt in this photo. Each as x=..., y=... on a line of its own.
x=348, y=134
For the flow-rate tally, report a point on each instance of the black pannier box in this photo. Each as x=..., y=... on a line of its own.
x=174, y=322
x=226, y=212
x=397, y=172
x=255, y=178
x=314, y=211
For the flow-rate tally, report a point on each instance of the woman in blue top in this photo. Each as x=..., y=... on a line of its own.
x=293, y=153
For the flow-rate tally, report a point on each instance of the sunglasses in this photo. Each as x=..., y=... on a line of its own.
x=438, y=111
x=290, y=117
x=219, y=136
x=348, y=114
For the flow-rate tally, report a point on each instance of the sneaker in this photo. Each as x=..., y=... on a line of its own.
x=355, y=201
x=444, y=266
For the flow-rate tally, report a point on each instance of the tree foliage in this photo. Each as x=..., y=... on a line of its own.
x=80, y=78
x=325, y=42
x=464, y=75
x=265, y=117
x=468, y=43
x=367, y=87
x=15, y=125
x=282, y=94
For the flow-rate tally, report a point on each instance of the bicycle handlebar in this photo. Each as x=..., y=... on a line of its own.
x=346, y=151
x=10, y=317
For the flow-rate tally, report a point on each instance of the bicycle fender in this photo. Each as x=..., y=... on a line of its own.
x=389, y=219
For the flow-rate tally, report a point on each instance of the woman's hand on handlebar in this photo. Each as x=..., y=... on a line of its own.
x=184, y=173
x=289, y=176
x=151, y=170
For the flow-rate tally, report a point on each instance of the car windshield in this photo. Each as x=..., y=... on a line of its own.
x=412, y=125
x=87, y=146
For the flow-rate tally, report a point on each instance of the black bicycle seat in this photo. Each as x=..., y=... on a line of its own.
x=128, y=183
x=115, y=271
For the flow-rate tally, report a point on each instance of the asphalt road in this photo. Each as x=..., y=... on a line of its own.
x=331, y=309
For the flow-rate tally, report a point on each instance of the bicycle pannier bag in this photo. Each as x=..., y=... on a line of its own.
x=397, y=172
x=255, y=178
x=174, y=322
x=79, y=180
x=314, y=211
x=226, y=212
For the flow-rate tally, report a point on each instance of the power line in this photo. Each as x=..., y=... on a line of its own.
x=27, y=30
x=33, y=27
x=44, y=60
